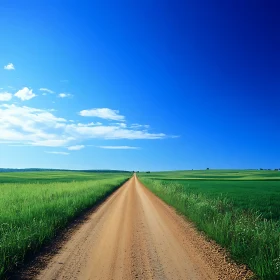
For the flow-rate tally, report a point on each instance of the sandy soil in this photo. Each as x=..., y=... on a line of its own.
x=134, y=235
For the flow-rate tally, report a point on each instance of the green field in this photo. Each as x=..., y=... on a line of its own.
x=240, y=209
x=55, y=176
x=35, y=206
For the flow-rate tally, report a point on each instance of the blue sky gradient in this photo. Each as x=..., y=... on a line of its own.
x=182, y=84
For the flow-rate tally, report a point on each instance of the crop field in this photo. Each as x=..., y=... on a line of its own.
x=34, y=206
x=238, y=209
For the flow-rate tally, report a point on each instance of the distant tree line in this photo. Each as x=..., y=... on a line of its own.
x=276, y=169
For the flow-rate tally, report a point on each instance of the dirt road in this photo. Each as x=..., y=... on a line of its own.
x=134, y=235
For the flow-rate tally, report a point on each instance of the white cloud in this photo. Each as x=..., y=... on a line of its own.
x=123, y=125
x=9, y=66
x=31, y=126
x=39, y=127
x=109, y=132
x=75, y=148
x=103, y=113
x=25, y=94
x=119, y=147
x=136, y=125
x=63, y=95
x=52, y=142
x=89, y=124
x=95, y=123
x=5, y=96
x=46, y=90
x=58, y=153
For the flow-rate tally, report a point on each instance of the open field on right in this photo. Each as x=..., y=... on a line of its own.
x=240, y=209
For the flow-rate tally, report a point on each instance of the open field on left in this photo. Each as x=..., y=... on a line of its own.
x=34, y=206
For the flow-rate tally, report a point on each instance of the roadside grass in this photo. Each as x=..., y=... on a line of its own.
x=241, y=215
x=32, y=214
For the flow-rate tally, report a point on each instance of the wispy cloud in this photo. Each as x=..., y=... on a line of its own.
x=75, y=148
x=9, y=66
x=123, y=125
x=110, y=132
x=46, y=90
x=40, y=127
x=19, y=145
x=25, y=94
x=103, y=113
x=119, y=147
x=5, y=96
x=58, y=153
x=137, y=125
x=64, y=95
x=31, y=126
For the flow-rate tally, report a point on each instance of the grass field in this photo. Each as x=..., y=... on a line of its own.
x=55, y=176
x=238, y=209
x=35, y=206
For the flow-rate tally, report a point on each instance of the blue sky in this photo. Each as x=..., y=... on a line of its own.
x=153, y=85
